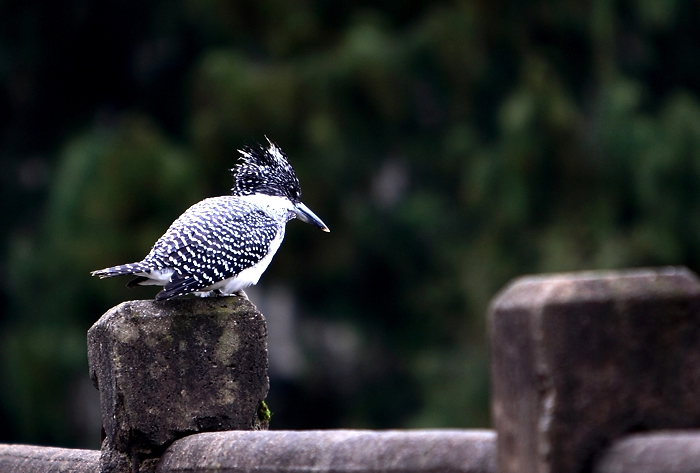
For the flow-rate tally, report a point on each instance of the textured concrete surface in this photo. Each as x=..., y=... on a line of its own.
x=467, y=451
x=448, y=451
x=33, y=459
x=173, y=368
x=579, y=360
x=653, y=452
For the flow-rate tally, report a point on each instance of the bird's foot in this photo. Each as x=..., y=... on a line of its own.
x=218, y=293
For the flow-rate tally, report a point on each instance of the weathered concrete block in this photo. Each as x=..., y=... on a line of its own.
x=33, y=459
x=169, y=369
x=653, y=452
x=337, y=451
x=578, y=360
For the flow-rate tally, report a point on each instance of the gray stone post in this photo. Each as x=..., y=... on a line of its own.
x=579, y=360
x=334, y=451
x=169, y=369
x=33, y=459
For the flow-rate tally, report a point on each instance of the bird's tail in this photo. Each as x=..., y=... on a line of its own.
x=117, y=270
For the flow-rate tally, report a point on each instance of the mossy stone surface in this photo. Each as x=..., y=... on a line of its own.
x=169, y=369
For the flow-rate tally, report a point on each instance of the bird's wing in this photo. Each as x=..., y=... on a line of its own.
x=235, y=236
x=182, y=232
x=191, y=227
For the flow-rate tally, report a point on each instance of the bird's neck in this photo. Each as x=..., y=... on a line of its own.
x=278, y=206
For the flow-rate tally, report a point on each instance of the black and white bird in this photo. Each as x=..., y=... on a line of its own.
x=222, y=245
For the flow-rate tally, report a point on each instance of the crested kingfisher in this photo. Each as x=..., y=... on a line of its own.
x=222, y=245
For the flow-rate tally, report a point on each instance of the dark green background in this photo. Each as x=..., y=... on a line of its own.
x=449, y=146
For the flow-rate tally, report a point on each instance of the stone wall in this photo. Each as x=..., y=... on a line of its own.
x=591, y=372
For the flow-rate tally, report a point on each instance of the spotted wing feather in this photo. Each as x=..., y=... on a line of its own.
x=221, y=238
x=213, y=240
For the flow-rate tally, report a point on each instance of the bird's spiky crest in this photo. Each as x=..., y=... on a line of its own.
x=265, y=171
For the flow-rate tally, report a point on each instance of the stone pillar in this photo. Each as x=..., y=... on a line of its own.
x=169, y=369
x=579, y=360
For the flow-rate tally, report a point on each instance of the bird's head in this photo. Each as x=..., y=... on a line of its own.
x=267, y=171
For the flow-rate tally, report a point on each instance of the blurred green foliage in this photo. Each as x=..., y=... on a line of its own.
x=449, y=146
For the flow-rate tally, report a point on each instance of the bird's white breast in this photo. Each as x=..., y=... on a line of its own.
x=249, y=276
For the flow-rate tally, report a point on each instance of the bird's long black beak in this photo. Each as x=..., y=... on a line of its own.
x=306, y=215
